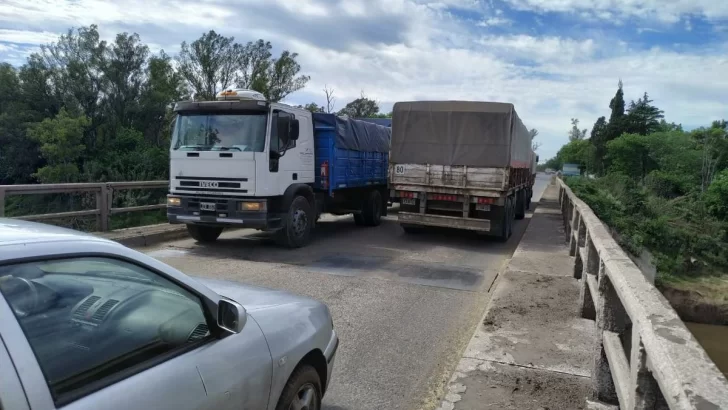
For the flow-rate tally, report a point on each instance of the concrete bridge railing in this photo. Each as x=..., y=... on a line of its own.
x=645, y=357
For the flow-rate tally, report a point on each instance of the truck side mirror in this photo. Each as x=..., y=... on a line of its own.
x=294, y=130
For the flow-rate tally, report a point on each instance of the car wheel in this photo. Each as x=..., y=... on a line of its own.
x=296, y=231
x=302, y=392
x=204, y=233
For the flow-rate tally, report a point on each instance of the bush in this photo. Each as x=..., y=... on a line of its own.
x=716, y=196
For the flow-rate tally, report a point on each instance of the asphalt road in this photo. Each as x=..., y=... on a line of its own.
x=404, y=306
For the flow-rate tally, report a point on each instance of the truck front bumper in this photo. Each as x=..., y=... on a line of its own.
x=227, y=212
x=409, y=218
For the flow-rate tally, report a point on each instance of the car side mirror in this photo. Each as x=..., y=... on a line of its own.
x=294, y=130
x=231, y=316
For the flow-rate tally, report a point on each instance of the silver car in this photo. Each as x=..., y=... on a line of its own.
x=87, y=323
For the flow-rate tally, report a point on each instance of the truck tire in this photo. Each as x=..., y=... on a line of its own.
x=296, y=230
x=204, y=234
x=521, y=204
x=529, y=195
x=507, y=220
x=372, y=210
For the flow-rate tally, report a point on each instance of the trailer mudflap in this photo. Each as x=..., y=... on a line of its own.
x=471, y=224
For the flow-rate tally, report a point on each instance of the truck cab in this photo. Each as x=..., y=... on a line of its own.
x=242, y=161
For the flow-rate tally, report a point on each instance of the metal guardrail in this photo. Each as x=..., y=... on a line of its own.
x=104, y=195
x=645, y=357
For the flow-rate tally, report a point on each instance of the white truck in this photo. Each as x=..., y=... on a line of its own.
x=242, y=161
x=460, y=164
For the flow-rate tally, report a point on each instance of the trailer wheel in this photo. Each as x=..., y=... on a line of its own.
x=372, y=212
x=204, y=234
x=521, y=204
x=528, y=198
x=507, y=219
x=296, y=231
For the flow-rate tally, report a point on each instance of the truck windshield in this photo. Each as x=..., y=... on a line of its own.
x=220, y=132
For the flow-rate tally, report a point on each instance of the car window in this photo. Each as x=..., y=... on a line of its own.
x=87, y=319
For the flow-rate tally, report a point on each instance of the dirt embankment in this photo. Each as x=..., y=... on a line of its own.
x=697, y=305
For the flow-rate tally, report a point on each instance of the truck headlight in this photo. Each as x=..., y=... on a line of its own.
x=173, y=201
x=252, y=206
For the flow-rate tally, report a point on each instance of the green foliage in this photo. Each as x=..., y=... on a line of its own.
x=87, y=110
x=643, y=117
x=213, y=63
x=716, y=197
x=61, y=145
x=575, y=133
x=578, y=151
x=362, y=107
x=661, y=189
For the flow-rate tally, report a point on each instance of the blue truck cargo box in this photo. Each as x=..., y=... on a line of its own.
x=355, y=153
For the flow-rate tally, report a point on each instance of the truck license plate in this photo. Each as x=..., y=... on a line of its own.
x=482, y=207
x=206, y=206
x=409, y=201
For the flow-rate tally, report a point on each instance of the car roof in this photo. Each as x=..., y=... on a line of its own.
x=13, y=231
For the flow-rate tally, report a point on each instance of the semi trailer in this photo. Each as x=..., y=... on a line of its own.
x=460, y=164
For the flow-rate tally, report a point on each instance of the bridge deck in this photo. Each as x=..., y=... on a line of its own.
x=532, y=349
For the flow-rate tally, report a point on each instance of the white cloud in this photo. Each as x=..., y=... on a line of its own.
x=669, y=11
x=494, y=22
x=397, y=50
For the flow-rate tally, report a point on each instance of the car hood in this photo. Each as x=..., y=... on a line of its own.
x=253, y=298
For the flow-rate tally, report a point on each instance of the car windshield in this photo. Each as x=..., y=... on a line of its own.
x=220, y=132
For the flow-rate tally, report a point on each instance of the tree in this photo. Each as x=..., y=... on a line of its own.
x=275, y=78
x=18, y=153
x=362, y=107
x=716, y=196
x=713, y=142
x=123, y=68
x=74, y=66
x=643, y=118
x=598, y=138
x=313, y=107
x=578, y=151
x=534, y=145
x=282, y=79
x=330, y=99
x=210, y=64
x=575, y=133
x=163, y=87
x=61, y=145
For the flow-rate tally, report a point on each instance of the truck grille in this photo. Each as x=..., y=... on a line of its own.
x=208, y=184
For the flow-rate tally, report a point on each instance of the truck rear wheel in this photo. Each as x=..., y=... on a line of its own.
x=507, y=220
x=296, y=231
x=372, y=210
x=204, y=234
x=521, y=204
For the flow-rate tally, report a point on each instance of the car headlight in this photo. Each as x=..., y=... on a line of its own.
x=252, y=206
x=173, y=201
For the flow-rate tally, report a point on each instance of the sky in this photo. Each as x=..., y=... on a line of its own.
x=553, y=59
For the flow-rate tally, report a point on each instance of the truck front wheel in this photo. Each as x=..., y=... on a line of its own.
x=372, y=211
x=296, y=231
x=204, y=234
